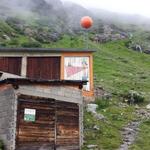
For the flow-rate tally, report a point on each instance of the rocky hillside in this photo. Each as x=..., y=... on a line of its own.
x=54, y=14
x=30, y=24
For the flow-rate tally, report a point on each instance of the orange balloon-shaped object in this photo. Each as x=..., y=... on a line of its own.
x=86, y=22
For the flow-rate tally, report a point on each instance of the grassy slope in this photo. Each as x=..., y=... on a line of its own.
x=117, y=69
x=16, y=39
x=108, y=136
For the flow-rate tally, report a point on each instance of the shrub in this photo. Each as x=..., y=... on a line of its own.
x=13, y=42
x=3, y=44
x=102, y=103
x=128, y=43
x=133, y=97
x=16, y=24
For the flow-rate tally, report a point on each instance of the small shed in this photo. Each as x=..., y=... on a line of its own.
x=37, y=114
x=50, y=64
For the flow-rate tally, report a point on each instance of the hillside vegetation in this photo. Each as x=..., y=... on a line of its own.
x=117, y=70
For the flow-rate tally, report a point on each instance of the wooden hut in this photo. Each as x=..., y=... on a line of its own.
x=41, y=97
x=40, y=114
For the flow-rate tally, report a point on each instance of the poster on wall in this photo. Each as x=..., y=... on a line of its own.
x=29, y=115
x=77, y=68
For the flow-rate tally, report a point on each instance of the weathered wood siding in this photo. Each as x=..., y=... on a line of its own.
x=56, y=125
x=11, y=65
x=38, y=133
x=43, y=67
x=67, y=125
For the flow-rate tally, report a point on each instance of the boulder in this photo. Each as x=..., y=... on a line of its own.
x=96, y=128
x=92, y=108
x=148, y=106
x=99, y=116
x=91, y=146
x=6, y=37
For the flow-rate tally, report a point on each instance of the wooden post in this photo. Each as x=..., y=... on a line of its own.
x=24, y=66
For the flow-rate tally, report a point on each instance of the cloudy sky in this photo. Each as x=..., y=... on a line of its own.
x=141, y=7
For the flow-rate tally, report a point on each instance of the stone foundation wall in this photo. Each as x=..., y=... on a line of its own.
x=7, y=119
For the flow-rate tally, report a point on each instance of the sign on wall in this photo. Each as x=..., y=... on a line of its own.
x=77, y=68
x=29, y=114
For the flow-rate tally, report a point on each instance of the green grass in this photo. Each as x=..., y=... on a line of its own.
x=108, y=137
x=119, y=69
x=66, y=42
x=16, y=39
x=5, y=28
x=19, y=40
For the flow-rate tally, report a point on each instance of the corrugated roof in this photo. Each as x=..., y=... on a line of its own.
x=48, y=50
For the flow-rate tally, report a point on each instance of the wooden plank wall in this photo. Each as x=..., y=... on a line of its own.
x=11, y=65
x=56, y=125
x=38, y=133
x=67, y=125
x=43, y=67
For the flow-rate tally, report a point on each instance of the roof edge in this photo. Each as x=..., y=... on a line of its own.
x=28, y=81
x=50, y=50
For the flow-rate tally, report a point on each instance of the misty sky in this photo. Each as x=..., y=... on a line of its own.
x=141, y=7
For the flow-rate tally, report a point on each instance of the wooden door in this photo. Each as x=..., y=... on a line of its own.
x=38, y=134
x=56, y=125
x=67, y=126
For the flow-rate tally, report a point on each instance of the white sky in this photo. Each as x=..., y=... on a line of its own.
x=141, y=7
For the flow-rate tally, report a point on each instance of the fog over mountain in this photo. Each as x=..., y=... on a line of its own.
x=28, y=6
x=54, y=12
x=45, y=21
x=64, y=13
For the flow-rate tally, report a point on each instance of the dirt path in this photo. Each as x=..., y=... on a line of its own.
x=129, y=132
